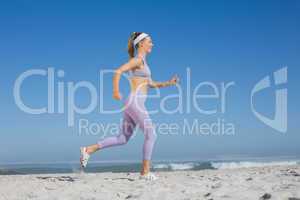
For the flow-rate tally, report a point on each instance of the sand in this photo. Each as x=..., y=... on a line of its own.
x=272, y=182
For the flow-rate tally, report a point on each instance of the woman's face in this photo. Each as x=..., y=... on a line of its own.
x=147, y=44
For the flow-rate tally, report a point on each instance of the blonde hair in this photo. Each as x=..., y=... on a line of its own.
x=131, y=47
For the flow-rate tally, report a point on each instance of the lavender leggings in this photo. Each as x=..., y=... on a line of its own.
x=135, y=114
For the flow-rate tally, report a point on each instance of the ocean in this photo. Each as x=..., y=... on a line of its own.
x=134, y=166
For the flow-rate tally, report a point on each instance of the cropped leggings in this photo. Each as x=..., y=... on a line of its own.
x=135, y=114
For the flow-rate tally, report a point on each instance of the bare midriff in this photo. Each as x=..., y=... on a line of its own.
x=139, y=84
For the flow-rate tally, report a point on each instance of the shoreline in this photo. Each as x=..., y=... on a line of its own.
x=126, y=167
x=280, y=182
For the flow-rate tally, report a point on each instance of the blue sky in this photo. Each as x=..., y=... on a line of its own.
x=220, y=41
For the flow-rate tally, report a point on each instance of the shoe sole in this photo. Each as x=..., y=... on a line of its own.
x=81, y=157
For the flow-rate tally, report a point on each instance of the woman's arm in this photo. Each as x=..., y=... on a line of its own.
x=131, y=64
x=173, y=81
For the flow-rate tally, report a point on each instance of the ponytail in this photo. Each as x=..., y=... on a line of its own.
x=130, y=43
x=130, y=46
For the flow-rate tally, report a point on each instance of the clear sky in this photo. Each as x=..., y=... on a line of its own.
x=220, y=41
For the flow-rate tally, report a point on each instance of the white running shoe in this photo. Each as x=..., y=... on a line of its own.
x=148, y=177
x=84, y=157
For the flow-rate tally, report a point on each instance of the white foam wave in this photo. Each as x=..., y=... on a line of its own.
x=175, y=166
x=161, y=166
x=184, y=166
x=247, y=164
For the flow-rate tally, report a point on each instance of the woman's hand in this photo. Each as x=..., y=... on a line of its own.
x=117, y=95
x=174, y=80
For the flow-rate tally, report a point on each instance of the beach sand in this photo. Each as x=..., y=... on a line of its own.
x=272, y=182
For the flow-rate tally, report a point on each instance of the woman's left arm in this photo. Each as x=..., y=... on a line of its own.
x=173, y=81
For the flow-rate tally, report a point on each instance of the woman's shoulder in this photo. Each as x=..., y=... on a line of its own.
x=137, y=61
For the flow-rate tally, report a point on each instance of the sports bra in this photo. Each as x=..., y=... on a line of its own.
x=144, y=72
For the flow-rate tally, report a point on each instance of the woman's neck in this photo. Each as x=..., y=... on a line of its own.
x=141, y=54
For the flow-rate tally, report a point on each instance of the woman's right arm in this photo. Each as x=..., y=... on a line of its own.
x=130, y=65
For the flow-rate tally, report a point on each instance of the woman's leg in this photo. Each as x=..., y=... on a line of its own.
x=128, y=126
x=150, y=138
x=143, y=120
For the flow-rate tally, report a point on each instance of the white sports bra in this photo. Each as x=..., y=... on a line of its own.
x=144, y=72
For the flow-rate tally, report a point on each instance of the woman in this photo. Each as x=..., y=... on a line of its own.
x=135, y=112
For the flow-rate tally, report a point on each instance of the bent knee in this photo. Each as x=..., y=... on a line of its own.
x=122, y=140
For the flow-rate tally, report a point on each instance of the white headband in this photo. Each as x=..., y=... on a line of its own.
x=139, y=38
